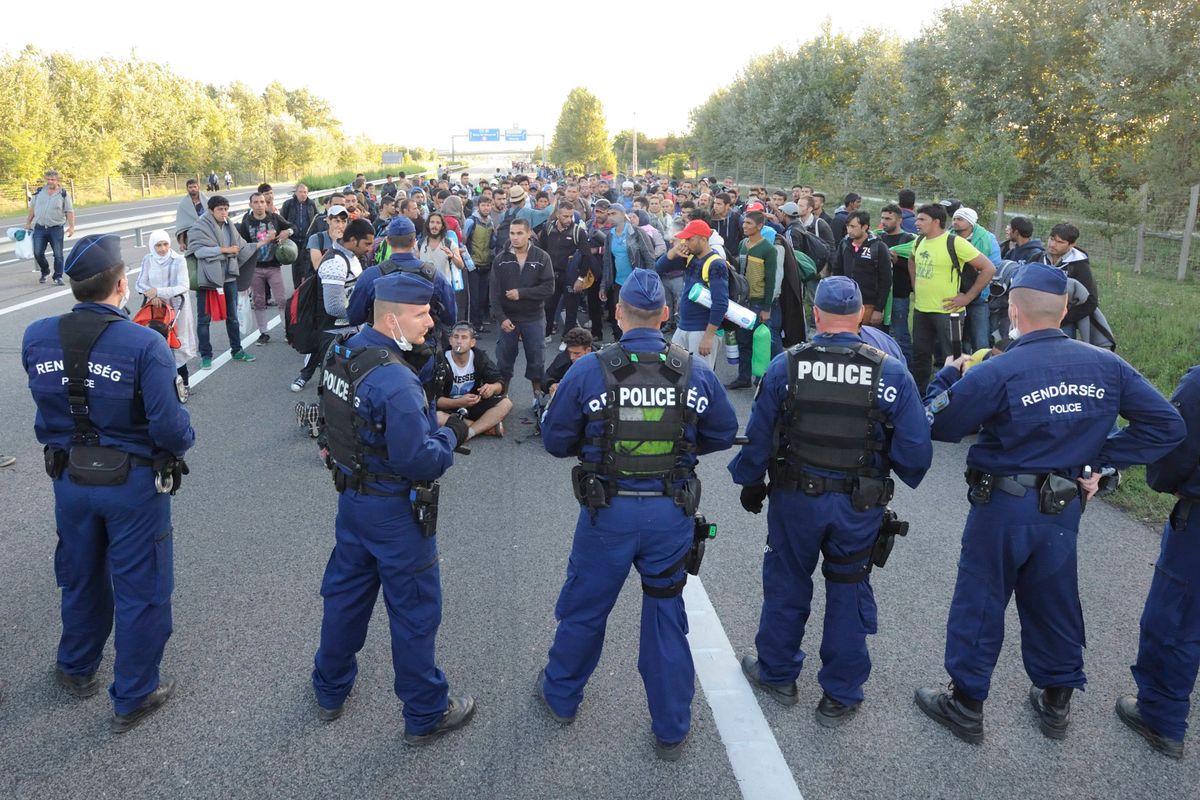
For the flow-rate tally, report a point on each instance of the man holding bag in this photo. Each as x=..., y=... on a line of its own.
x=221, y=253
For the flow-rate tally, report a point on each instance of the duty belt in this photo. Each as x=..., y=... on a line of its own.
x=1183, y=510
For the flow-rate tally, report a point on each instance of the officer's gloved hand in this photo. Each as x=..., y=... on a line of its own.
x=753, y=496
x=460, y=428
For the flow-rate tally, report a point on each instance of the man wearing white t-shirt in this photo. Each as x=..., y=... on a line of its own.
x=472, y=383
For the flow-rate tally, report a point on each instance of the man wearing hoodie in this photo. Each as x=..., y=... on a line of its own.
x=480, y=238
x=849, y=205
x=907, y=200
x=1021, y=246
x=728, y=223
x=1061, y=252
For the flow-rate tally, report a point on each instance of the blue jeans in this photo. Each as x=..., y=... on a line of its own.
x=900, y=308
x=532, y=334
x=204, y=319
x=54, y=237
x=978, y=323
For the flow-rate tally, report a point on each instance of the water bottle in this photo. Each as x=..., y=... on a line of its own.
x=731, y=348
x=760, y=357
x=737, y=314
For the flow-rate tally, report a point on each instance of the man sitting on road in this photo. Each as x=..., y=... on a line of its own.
x=472, y=384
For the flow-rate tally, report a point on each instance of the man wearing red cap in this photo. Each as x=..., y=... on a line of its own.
x=697, y=328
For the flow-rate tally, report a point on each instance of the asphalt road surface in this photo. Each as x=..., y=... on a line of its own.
x=254, y=527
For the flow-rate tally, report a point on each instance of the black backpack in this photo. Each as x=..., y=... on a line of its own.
x=500, y=245
x=967, y=275
x=305, y=315
x=811, y=245
x=739, y=287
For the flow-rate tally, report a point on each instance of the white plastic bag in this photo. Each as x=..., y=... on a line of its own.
x=245, y=314
x=23, y=240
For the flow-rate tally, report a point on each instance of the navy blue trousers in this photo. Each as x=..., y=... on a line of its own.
x=1009, y=547
x=1169, y=650
x=114, y=558
x=379, y=545
x=650, y=534
x=799, y=529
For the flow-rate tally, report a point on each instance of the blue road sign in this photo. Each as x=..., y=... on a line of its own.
x=515, y=135
x=483, y=135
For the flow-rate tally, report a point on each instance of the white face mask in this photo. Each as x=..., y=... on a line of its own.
x=124, y=295
x=1013, y=332
x=403, y=343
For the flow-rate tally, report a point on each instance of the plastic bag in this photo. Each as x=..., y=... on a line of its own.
x=23, y=242
x=245, y=314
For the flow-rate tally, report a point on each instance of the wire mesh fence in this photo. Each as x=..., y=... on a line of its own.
x=1143, y=229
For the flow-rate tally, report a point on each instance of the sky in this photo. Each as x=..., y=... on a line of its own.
x=481, y=65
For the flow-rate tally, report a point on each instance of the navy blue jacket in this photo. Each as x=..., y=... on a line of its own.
x=692, y=315
x=910, y=452
x=1178, y=472
x=127, y=359
x=392, y=396
x=565, y=425
x=362, y=299
x=1047, y=405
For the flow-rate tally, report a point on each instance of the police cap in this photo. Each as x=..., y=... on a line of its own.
x=643, y=289
x=1041, y=278
x=404, y=287
x=92, y=255
x=401, y=226
x=838, y=295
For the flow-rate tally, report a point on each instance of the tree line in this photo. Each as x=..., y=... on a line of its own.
x=92, y=118
x=1084, y=96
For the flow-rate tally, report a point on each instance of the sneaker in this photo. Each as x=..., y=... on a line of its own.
x=496, y=430
x=548, y=339
x=242, y=355
x=7, y=461
x=298, y=384
x=206, y=363
x=58, y=281
x=263, y=338
x=42, y=279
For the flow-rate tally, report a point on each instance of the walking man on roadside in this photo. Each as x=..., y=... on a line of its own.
x=49, y=212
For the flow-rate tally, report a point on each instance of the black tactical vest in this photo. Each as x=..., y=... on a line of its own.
x=832, y=408
x=645, y=414
x=343, y=371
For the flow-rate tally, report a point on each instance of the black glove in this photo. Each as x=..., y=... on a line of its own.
x=753, y=496
x=459, y=426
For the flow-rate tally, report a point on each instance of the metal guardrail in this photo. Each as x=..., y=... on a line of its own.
x=142, y=223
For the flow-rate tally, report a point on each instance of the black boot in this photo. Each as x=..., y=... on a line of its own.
x=784, y=693
x=122, y=723
x=669, y=751
x=458, y=713
x=81, y=686
x=949, y=707
x=1053, y=707
x=1127, y=710
x=831, y=713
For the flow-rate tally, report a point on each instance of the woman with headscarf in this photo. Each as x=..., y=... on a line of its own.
x=164, y=280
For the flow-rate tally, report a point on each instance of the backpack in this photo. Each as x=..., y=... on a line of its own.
x=500, y=242
x=811, y=251
x=305, y=315
x=967, y=274
x=739, y=287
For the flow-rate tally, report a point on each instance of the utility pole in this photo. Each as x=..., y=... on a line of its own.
x=635, y=160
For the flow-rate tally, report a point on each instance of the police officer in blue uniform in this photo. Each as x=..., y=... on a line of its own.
x=1169, y=651
x=1046, y=407
x=832, y=418
x=637, y=415
x=110, y=413
x=386, y=452
x=402, y=238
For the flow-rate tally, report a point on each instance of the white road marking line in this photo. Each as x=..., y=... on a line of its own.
x=200, y=375
x=47, y=297
x=758, y=764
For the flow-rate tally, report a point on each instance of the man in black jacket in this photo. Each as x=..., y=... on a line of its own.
x=522, y=281
x=1061, y=252
x=892, y=222
x=865, y=259
x=472, y=384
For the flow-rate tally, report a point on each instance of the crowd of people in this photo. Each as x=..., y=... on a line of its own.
x=413, y=274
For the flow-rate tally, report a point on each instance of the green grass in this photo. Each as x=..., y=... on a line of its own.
x=1156, y=320
x=337, y=180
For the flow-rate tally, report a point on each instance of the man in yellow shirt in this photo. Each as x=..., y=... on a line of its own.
x=940, y=267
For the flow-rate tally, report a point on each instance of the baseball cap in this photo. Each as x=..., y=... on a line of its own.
x=790, y=209
x=335, y=211
x=696, y=227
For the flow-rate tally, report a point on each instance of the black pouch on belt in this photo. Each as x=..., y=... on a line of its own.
x=56, y=461
x=424, y=497
x=1055, y=493
x=97, y=466
x=869, y=493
